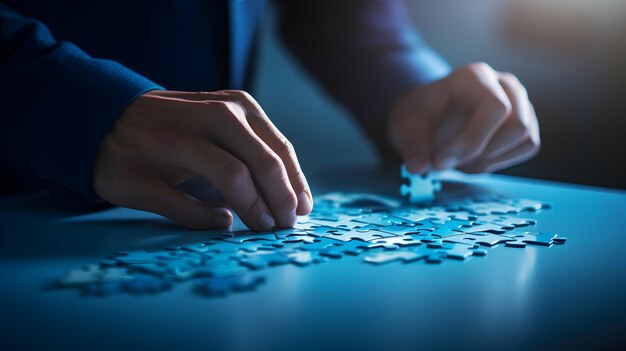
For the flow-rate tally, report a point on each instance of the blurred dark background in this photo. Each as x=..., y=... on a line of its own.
x=570, y=54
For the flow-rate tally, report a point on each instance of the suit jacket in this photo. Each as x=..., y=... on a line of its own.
x=68, y=68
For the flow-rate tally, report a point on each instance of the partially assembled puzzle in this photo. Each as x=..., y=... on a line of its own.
x=378, y=229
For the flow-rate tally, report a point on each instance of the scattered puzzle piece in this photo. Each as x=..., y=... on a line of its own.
x=223, y=286
x=380, y=230
x=391, y=256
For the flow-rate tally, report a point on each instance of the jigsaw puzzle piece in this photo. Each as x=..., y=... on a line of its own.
x=283, y=233
x=424, y=217
x=139, y=257
x=425, y=237
x=393, y=256
x=324, y=230
x=449, y=228
x=352, y=247
x=223, y=286
x=247, y=246
x=395, y=242
x=343, y=222
x=264, y=260
x=474, y=227
x=508, y=222
x=244, y=236
x=146, y=284
x=220, y=269
x=400, y=230
x=543, y=238
x=485, y=239
x=299, y=238
x=365, y=235
x=305, y=258
x=198, y=248
x=379, y=219
x=93, y=274
x=458, y=251
x=420, y=188
x=526, y=205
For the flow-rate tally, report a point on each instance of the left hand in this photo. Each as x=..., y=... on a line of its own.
x=475, y=120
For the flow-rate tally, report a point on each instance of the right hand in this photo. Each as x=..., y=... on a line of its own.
x=164, y=138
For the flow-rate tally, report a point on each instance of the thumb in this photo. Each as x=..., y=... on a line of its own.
x=411, y=132
x=161, y=198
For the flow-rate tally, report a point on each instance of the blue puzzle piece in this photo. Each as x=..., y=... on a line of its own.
x=395, y=242
x=244, y=236
x=485, y=239
x=367, y=235
x=420, y=188
x=305, y=258
x=264, y=260
x=352, y=247
x=393, y=256
x=379, y=219
x=543, y=238
x=508, y=222
x=146, y=284
x=223, y=286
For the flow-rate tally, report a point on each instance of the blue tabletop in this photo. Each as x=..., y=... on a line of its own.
x=568, y=296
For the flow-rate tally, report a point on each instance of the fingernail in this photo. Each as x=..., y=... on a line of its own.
x=266, y=222
x=304, y=203
x=223, y=222
x=290, y=220
x=413, y=165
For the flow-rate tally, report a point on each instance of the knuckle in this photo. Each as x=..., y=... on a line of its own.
x=226, y=111
x=245, y=95
x=476, y=69
x=237, y=95
x=297, y=180
x=285, y=147
x=219, y=107
x=288, y=202
x=235, y=173
x=508, y=77
x=272, y=164
x=499, y=104
x=512, y=81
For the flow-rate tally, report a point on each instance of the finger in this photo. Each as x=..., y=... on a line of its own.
x=228, y=128
x=415, y=139
x=492, y=107
x=267, y=131
x=516, y=129
x=230, y=176
x=523, y=152
x=159, y=197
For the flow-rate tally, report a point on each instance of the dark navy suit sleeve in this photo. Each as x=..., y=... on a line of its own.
x=364, y=53
x=56, y=102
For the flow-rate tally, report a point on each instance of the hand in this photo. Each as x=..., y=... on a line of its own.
x=164, y=138
x=475, y=120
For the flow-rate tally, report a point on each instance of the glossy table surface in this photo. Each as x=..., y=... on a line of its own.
x=571, y=296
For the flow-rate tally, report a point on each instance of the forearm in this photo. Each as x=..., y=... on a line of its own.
x=57, y=102
x=364, y=53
